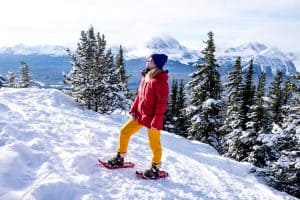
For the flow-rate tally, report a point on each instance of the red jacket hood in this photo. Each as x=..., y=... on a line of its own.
x=162, y=76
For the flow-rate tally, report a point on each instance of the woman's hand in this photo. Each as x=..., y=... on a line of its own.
x=132, y=114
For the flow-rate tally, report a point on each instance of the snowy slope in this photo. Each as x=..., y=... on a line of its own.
x=49, y=148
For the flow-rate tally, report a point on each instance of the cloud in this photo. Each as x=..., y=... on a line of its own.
x=132, y=21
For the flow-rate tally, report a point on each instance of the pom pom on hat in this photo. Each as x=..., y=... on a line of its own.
x=159, y=59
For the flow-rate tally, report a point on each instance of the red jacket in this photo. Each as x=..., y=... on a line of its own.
x=151, y=102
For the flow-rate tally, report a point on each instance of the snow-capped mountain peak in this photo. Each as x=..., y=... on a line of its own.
x=251, y=48
x=266, y=59
x=164, y=44
x=274, y=52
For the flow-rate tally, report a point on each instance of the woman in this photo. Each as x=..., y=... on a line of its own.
x=148, y=111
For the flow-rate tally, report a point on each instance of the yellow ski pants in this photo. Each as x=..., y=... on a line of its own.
x=130, y=128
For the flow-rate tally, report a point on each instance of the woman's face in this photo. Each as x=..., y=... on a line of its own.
x=150, y=64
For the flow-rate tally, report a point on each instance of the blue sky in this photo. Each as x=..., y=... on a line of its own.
x=273, y=22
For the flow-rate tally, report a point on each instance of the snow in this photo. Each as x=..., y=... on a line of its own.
x=209, y=102
x=49, y=147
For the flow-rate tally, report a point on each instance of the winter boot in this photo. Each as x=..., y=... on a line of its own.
x=153, y=172
x=116, y=161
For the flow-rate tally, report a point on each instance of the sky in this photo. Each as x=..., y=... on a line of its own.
x=131, y=22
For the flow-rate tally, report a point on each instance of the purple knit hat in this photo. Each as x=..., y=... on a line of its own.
x=159, y=59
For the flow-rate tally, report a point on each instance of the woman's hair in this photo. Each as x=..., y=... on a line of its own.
x=152, y=73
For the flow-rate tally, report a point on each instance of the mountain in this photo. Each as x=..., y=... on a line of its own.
x=22, y=49
x=163, y=44
x=47, y=63
x=49, y=150
x=265, y=59
x=44, y=68
x=295, y=58
x=250, y=48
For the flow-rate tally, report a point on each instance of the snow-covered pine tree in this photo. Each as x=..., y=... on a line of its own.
x=280, y=149
x=275, y=95
x=248, y=95
x=182, y=121
x=79, y=78
x=246, y=138
x=123, y=80
x=103, y=61
x=205, y=97
x=234, y=90
x=169, y=124
x=24, y=80
x=260, y=126
x=283, y=173
x=232, y=126
x=258, y=153
x=120, y=63
x=93, y=76
x=11, y=79
x=258, y=115
x=114, y=97
x=176, y=119
x=287, y=91
x=173, y=99
x=2, y=81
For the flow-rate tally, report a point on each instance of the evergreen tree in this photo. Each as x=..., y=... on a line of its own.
x=182, y=121
x=172, y=112
x=80, y=78
x=120, y=62
x=173, y=99
x=123, y=80
x=256, y=152
x=248, y=96
x=205, y=97
x=93, y=78
x=24, y=80
x=116, y=94
x=234, y=86
x=275, y=95
x=176, y=119
x=287, y=91
x=282, y=172
x=258, y=115
x=11, y=79
x=232, y=127
x=2, y=81
x=278, y=149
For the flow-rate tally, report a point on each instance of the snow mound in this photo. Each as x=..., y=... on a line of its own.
x=49, y=150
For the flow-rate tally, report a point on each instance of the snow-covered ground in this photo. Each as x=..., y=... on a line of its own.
x=49, y=148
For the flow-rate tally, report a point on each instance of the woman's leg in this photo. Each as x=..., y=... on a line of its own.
x=154, y=141
x=129, y=128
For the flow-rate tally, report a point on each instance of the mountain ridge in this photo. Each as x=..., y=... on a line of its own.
x=266, y=59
